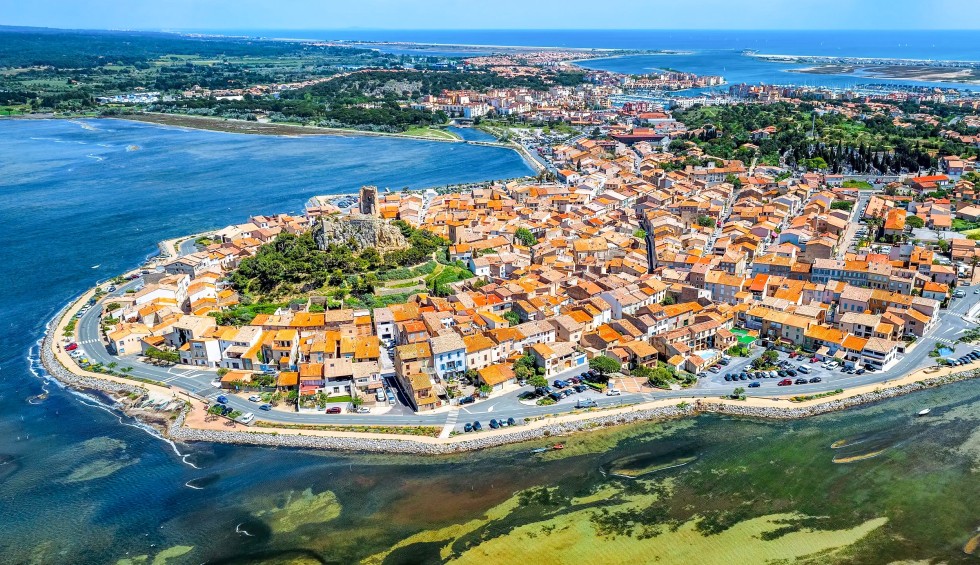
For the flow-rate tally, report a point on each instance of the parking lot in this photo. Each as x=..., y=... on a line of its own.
x=739, y=365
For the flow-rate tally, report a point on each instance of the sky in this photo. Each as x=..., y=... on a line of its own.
x=493, y=14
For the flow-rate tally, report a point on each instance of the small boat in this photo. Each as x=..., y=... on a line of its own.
x=539, y=450
x=923, y=412
x=96, y=266
x=558, y=446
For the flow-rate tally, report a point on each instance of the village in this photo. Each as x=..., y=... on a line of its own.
x=628, y=274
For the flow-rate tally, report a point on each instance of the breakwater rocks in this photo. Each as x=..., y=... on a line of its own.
x=178, y=432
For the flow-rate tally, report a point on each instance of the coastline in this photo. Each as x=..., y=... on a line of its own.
x=228, y=125
x=186, y=423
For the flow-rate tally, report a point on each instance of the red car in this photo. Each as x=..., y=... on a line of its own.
x=71, y=346
x=785, y=382
x=333, y=410
x=792, y=355
x=814, y=359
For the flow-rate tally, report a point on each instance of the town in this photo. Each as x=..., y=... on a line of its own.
x=632, y=274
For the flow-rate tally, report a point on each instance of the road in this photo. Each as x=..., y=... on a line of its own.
x=952, y=322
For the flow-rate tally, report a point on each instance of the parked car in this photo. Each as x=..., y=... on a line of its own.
x=560, y=383
x=477, y=426
x=493, y=424
x=467, y=400
x=728, y=378
x=803, y=369
x=362, y=410
x=588, y=403
x=511, y=422
x=71, y=346
x=785, y=382
x=556, y=396
x=265, y=407
x=860, y=372
x=246, y=418
x=755, y=384
x=801, y=381
x=815, y=380
x=467, y=427
x=333, y=410
x=612, y=392
x=254, y=398
x=567, y=392
x=380, y=395
x=791, y=372
x=222, y=399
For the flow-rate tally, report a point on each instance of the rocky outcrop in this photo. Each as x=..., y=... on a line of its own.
x=359, y=232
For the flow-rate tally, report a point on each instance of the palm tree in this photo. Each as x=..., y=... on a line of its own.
x=974, y=261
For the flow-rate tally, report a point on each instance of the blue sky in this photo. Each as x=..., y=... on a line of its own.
x=494, y=14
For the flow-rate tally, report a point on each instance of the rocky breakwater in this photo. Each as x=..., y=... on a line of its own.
x=830, y=404
x=363, y=442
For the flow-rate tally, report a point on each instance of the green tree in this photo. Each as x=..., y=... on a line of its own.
x=513, y=317
x=842, y=205
x=668, y=300
x=705, y=221
x=915, y=222
x=525, y=236
x=640, y=234
x=537, y=381
x=604, y=365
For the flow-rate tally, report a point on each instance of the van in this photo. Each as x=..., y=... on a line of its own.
x=391, y=397
x=380, y=395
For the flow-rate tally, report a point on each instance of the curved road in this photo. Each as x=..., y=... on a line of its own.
x=952, y=322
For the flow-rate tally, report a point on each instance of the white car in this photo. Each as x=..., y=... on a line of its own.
x=246, y=418
x=254, y=398
x=216, y=383
x=612, y=392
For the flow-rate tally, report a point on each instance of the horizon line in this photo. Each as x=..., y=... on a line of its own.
x=464, y=29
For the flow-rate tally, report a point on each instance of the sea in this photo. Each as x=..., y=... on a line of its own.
x=704, y=52
x=83, y=200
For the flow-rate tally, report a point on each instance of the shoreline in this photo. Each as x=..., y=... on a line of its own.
x=185, y=422
x=229, y=125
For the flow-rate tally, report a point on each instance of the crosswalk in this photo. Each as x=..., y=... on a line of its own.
x=947, y=341
x=450, y=424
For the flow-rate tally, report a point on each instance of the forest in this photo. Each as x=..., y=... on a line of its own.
x=839, y=144
x=64, y=70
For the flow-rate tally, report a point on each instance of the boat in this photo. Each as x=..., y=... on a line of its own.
x=558, y=446
x=923, y=412
x=539, y=450
x=96, y=266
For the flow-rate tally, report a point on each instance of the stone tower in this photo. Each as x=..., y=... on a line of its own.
x=369, y=201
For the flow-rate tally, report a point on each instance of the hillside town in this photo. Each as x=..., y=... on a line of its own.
x=630, y=255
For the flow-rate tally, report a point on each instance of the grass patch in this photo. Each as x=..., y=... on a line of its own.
x=960, y=224
x=861, y=184
x=429, y=431
x=816, y=396
x=431, y=133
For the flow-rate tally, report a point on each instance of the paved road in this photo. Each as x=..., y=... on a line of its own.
x=952, y=323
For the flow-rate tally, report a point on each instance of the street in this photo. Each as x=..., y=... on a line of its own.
x=952, y=322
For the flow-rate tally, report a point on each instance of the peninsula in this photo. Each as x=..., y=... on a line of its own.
x=644, y=278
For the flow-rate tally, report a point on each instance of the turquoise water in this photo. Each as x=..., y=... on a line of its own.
x=80, y=485
x=471, y=134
